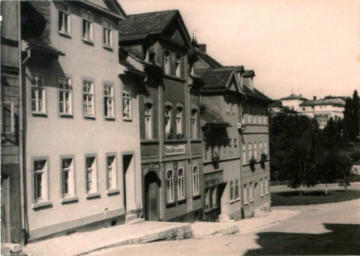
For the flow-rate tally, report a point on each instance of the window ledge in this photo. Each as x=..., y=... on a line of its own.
x=251, y=201
x=149, y=141
x=237, y=199
x=113, y=191
x=64, y=34
x=232, y=201
x=93, y=195
x=39, y=114
x=207, y=210
x=109, y=118
x=66, y=115
x=88, y=42
x=89, y=117
x=108, y=47
x=126, y=119
x=170, y=204
x=196, y=140
x=196, y=196
x=70, y=199
x=175, y=141
x=42, y=204
x=246, y=203
x=181, y=201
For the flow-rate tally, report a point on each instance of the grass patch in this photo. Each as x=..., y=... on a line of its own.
x=312, y=197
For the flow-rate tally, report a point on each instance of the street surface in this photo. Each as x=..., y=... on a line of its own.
x=331, y=229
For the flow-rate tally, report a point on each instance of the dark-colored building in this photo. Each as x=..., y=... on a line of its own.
x=157, y=51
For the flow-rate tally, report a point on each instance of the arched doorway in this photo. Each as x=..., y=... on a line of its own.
x=152, y=196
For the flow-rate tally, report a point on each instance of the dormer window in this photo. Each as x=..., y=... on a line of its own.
x=107, y=34
x=64, y=18
x=87, y=26
x=167, y=64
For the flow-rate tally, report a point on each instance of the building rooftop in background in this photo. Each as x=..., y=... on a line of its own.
x=334, y=101
x=294, y=97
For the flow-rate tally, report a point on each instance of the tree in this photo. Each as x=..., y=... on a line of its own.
x=352, y=116
x=356, y=113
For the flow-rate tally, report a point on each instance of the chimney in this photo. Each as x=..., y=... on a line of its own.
x=202, y=47
x=314, y=97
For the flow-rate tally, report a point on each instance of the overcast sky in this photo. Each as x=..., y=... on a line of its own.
x=306, y=46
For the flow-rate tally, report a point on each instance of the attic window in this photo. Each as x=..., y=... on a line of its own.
x=167, y=62
x=178, y=65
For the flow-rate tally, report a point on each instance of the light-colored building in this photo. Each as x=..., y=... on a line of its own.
x=324, y=109
x=82, y=152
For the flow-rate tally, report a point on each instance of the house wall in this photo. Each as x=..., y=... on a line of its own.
x=52, y=136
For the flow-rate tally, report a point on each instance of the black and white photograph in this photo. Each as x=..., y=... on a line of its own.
x=180, y=127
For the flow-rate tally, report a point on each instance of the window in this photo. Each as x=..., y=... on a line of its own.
x=167, y=121
x=107, y=34
x=170, y=186
x=250, y=151
x=87, y=33
x=196, y=181
x=37, y=94
x=148, y=121
x=214, y=197
x=266, y=186
x=230, y=152
x=111, y=172
x=64, y=18
x=194, y=124
x=237, y=194
x=245, y=195
x=231, y=191
x=244, y=153
x=235, y=147
x=261, y=148
x=207, y=199
x=65, y=96
x=181, y=184
x=251, y=192
x=8, y=118
x=179, y=122
x=109, y=101
x=178, y=66
x=88, y=97
x=265, y=148
x=167, y=63
x=127, y=115
x=255, y=151
x=67, y=177
x=91, y=175
x=40, y=180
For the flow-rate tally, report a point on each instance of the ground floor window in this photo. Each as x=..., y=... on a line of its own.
x=231, y=191
x=207, y=199
x=245, y=195
x=170, y=186
x=67, y=175
x=91, y=175
x=237, y=194
x=196, y=181
x=40, y=168
x=214, y=198
x=181, y=184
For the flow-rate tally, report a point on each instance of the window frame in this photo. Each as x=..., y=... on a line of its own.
x=86, y=103
x=114, y=173
x=38, y=88
x=236, y=192
x=194, y=120
x=94, y=191
x=44, y=201
x=67, y=15
x=167, y=120
x=170, y=187
x=90, y=28
x=107, y=28
x=181, y=192
x=12, y=118
x=167, y=62
x=68, y=91
x=72, y=178
x=148, y=121
x=107, y=97
x=126, y=96
x=196, y=180
x=231, y=192
x=179, y=117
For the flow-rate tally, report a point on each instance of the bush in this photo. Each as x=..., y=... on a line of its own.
x=355, y=155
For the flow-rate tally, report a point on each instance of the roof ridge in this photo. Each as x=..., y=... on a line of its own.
x=147, y=13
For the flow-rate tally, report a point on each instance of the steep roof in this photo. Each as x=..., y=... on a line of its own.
x=215, y=78
x=294, y=97
x=255, y=94
x=321, y=102
x=108, y=6
x=207, y=58
x=276, y=104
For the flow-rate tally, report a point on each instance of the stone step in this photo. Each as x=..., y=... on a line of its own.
x=135, y=221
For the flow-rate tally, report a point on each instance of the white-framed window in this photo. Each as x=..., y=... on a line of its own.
x=67, y=177
x=148, y=121
x=38, y=102
x=265, y=148
x=127, y=107
x=179, y=121
x=8, y=118
x=170, y=186
x=208, y=199
x=167, y=121
x=111, y=171
x=40, y=173
x=109, y=101
x=251, y=192
x=255, y=151
x=214, y=197
x=65, y=96
x=245, y=195
x=237, y=192
x=64, y=24
x=178, y=65
x=88, y=99
x=87, y=26
x=196, y=180
x=244, y=153
x=167, y=62
x=194, y=123
x=250, y=151
x=107, y=34
x=91, y=174
x=181, y=184
x=232, y=191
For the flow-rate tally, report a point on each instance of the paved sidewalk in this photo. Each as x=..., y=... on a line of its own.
x=245, y=226
x=85, y=242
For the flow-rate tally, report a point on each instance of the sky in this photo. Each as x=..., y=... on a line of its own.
x=309, y=47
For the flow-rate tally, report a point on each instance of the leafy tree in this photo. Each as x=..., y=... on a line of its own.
x=352, y=116
x=356, y=113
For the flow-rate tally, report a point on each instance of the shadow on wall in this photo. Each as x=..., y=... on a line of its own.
x=343, y=239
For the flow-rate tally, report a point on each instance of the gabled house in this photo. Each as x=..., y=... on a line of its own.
x=158, y=58
x=81, y=151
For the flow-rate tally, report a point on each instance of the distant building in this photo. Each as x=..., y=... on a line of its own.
x=324, y=109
